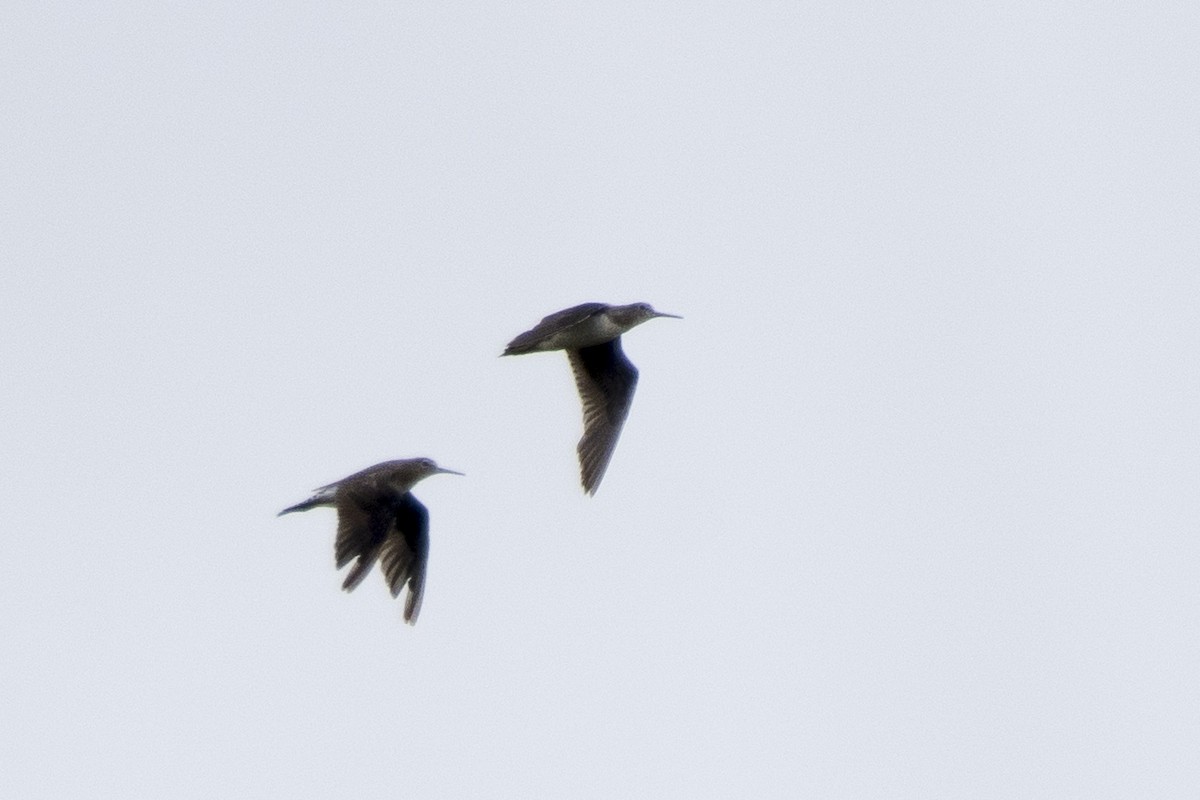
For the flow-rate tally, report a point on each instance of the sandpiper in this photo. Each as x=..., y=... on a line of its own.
x=380, y=520
x=606, y=379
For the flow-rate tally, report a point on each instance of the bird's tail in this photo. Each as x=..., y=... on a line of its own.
x=323, y=497
x=522, y=344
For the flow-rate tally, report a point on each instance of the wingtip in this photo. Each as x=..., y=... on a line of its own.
x=410, y=612
x=590, y=476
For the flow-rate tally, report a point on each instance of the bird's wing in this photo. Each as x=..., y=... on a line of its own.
x=363, y=523
x=553, y=323
x=405, y=552
x=606, y=380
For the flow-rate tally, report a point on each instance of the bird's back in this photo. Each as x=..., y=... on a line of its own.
x=367, y=476
x=569, y=328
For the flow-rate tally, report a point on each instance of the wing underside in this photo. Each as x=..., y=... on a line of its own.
x=606, y=380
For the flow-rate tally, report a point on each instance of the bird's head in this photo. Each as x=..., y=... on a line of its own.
x=637, y=313
x=412, y=470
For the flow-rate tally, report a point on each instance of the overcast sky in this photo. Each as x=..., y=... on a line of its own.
x=906, y=506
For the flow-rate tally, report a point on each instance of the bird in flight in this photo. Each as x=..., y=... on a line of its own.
x=380, y=520
x=605, y=378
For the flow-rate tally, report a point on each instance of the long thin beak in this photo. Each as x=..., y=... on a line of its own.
x=451, y=471
x=663, y=314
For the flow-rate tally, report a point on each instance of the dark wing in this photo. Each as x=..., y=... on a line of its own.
x=558, y=321
x=363, y=524
x=405, y=552
x=606, y=380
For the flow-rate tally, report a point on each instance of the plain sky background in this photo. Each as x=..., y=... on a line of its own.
x=907, y=506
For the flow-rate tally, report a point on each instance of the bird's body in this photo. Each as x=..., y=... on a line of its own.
x=606, y=379
x=580, y=326
x=379, y=519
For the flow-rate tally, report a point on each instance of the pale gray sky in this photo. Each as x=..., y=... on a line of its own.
x=906, y=507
